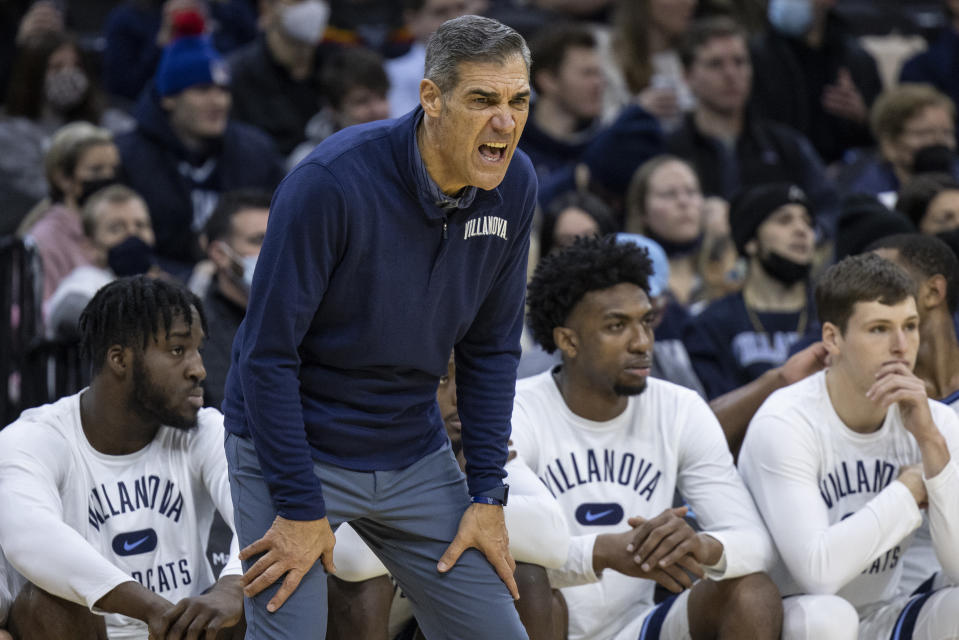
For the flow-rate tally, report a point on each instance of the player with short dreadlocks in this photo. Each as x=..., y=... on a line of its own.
x=613, y=445
x=114, y=488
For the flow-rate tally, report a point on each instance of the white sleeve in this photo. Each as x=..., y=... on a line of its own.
x=10, y=583
x=353, y=559
x=942, y=491
x=578, y=568
x=537, y=530
x=210, y=459
x=523, y=435
x=37, y=542
x=778, y=460
x=709, y=482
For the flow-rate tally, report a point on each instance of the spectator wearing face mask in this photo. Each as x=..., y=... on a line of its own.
x=908, y=121
x=136, y=32
x=51, y=85
x=276, y=82
x=116, y=221
x=739, y=337
x=187, y=149
x=811, y=74
x=82, y=160
x=232, y=236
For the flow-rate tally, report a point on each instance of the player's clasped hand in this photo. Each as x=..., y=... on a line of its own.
x=667, y=543
x=290, y=548
x=201, y=616
x=483, y=527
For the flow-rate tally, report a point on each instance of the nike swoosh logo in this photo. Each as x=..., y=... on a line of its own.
x=130, y=547
x=591, y=517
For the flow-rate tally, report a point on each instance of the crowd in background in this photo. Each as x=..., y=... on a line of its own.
x=747, y=145
x=147, y=137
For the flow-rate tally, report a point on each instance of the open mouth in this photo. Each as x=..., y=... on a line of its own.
x=493, y=151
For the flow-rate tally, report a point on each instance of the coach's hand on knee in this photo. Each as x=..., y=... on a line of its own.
x=290, y=548
x=483, y=527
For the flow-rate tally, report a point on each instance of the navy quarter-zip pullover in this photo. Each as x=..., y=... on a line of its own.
x=362, y=287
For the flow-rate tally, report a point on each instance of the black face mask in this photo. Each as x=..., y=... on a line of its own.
x=675, y=249
x=131, y=257
x=784, y=269
x=89, y=187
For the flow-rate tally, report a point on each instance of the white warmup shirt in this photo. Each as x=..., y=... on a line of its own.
x=602, y=473
x=77, y=522
x=920, y=562
x=829, y=495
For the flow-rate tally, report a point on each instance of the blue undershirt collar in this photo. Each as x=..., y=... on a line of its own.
x=424, y=181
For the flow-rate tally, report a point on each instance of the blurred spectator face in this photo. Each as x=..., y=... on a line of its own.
x=788, y=232
x=425, y=21
x=97, y=164
x=65, y=83
x=932, y=125
x=236, y=256
x=362, y=104
x=671, y=17
x=117, y=221
x=572, y=223
x=674, y=204
x=200, y=111
x=721, y=74
x=579, y=83
x=942, y=213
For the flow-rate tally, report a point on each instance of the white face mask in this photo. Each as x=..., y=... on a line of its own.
x=249, y=264
x=65, y=88
x=306, y=21
x=246, y=263
x=791, y=17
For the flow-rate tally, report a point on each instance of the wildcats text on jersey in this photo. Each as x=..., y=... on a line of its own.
x=622, y=468
x=149, y=492
x=853, y=477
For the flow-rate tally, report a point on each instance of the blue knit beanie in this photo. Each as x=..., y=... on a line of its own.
x=187, y=62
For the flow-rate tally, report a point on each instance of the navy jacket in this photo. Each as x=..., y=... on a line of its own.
x=727, y=351
x=766, y=151
x=788, y=81
x=152, y=154
x=362, y=288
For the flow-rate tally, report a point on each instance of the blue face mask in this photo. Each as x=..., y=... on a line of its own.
x=791, y=17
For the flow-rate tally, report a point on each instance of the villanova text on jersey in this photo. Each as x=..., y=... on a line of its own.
x=485, y=226
x=148, y=492
x=855, y=477
x=625, y=469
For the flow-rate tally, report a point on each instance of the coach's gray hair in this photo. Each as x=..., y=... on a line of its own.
x=470, y=39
